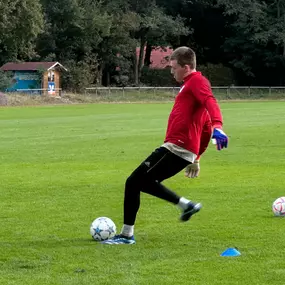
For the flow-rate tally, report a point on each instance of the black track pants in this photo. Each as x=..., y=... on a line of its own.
x=160, y=165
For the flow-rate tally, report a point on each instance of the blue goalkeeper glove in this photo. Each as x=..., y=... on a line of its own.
x=220, y=138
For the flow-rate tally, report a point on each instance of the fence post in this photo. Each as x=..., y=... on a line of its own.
x=248, y=91
x=269, y=91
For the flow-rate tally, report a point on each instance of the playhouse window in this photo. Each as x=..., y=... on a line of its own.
x=51, y=76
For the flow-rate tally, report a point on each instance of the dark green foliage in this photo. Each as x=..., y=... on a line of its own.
x=218, y=74
x=6, y=79
x=20, y=24
x=255, y=45
x=246, y=36
x=157, y=77
x=79, y=75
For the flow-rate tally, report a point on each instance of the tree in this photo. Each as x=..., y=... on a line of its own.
x=73, y=28
x=155, y=27
x=134, y=24
x=257, y=41
x=6, y=80
x=73, y=31
x=207, y=26
x=115, y=50
x=21, y=21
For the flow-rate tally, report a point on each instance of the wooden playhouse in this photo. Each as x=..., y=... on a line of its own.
x=35, y=77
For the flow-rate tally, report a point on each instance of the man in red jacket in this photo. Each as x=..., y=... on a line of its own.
x=194, y=118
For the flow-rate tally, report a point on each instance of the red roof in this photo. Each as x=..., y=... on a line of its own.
x=29, y=66
x=159, y=57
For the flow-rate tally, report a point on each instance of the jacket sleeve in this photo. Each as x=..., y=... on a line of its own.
x=201, y=89
x=205, y=136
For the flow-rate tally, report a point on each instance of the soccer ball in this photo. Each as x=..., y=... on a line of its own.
x=102, y=228
x=278, y=207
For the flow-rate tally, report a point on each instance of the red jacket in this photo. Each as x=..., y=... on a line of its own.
x=194, y=114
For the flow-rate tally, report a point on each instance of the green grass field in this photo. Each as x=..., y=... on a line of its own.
x=63, y=166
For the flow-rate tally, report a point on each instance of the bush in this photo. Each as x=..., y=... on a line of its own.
x=157, y=77
x=6, y=80
x=218, y=74
x=78, y=76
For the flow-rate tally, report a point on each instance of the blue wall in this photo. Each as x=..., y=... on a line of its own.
x=26, y=80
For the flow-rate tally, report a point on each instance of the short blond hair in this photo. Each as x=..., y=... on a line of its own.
x=184, y=56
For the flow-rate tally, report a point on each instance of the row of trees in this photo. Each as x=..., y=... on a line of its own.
x=94, y=37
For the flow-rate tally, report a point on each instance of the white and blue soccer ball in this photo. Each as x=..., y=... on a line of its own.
x=102, y=228
x=278, y=207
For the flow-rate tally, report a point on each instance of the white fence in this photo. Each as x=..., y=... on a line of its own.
x=42, y=91
x=123, y=90
x=224, y=92
x=164, y=93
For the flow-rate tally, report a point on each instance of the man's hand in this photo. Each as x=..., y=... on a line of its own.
x=192, y=170
x=221, y=139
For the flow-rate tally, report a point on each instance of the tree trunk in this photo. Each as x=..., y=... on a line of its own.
x=141, y=56
x=105, y=74
x=108, y=79
x=148, y=50
x=135, y=68
x=99, y=80
x=284, y=38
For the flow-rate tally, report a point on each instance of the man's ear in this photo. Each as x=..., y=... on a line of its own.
x=186, y=68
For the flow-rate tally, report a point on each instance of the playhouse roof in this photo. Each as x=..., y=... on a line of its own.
x=31, y=66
